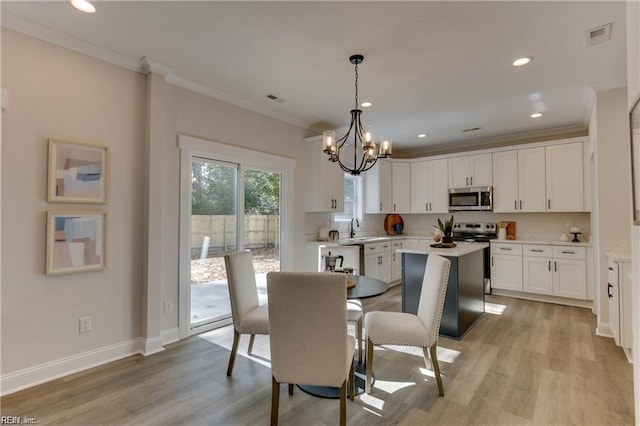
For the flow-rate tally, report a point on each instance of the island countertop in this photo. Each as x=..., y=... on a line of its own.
x=460, y=249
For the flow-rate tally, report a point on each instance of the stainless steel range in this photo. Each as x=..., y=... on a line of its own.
x=474, y=231
x=478, y=232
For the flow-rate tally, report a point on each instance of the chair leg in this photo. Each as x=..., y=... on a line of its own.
x=250, y=349
x=436, y=368
x=290, y=388
x=234, y=349
x=343, y=404
x=359, y=338
x=352, y=381
x=369, y=365
x=275, y=401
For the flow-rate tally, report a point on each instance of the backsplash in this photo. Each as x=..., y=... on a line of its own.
x=529, y=226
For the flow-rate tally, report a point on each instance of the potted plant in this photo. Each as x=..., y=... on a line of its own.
x=446, y=228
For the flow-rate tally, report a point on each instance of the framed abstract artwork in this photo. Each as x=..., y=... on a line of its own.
x=76, y=241
x=77, y=172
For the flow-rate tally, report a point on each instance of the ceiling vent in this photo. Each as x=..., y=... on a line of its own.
x=599, y=35
x=472, y=129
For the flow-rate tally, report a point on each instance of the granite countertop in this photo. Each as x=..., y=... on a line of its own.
x=460, y=249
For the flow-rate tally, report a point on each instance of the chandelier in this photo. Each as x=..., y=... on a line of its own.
x=361, y=145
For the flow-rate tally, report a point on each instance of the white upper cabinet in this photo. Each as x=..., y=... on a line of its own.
x=401, y=187
x=564, y=177
x=470, y=170
x=324, y=181
x=377, y=183
x=429, y=186
x=519, y=181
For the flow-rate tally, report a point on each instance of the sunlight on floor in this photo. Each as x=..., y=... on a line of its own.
x=494, y=308
x=391, y=387
x=372, y=401
x=444, y=354
x=259, y=355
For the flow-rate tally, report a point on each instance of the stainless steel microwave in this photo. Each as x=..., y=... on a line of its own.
x=477, y=198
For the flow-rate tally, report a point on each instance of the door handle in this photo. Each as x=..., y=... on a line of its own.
x=609, y=287
x=394, y=207
x=504, y=248
x=491, y=260
x=430, y=207
x=568, y=252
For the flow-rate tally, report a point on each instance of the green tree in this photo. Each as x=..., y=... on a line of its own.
x=261, y=193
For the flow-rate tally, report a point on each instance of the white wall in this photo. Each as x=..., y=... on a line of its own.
x=55, y=92
x=633, y=92
x=613, y=180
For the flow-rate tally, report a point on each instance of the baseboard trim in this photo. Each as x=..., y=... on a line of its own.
x=603, y=329
x=543, y=298
x=152, y=346
x=22, y=379
x=170, y=335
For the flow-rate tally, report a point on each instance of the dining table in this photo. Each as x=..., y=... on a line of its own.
x=365, y=287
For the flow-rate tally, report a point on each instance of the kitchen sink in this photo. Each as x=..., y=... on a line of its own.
x=361, y=240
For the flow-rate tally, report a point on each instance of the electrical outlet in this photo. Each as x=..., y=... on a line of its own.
x=85, y=324
x=168, y=306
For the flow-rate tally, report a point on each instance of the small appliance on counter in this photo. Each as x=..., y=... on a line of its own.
x=334, y=235
x=330, y=261
x=506, y=230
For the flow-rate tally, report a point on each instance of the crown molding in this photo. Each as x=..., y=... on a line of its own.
x=226, y=97
x=148, y=65
x=494, y=142
x=48, y=35
x=143, y=65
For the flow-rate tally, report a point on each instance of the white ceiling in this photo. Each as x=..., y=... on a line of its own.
x=432, y=67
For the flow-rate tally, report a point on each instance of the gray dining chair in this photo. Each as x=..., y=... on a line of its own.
x=421, y=330
x=249, y=317
x=308, y=334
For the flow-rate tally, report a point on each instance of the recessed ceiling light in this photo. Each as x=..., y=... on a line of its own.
x=422, y=135
x=536, y=115
x=83, y=6
x=522, y=61
x=366, y=104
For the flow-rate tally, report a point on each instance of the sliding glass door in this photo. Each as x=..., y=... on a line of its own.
x=232, y=208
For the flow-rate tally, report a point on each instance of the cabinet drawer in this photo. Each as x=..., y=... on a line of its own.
x=377, y=248
x=566, y=252
x=506, y=248
x=537, y=251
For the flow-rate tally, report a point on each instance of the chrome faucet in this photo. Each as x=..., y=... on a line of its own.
x=352, y=231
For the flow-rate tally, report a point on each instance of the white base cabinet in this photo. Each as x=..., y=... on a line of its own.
x=506, y=266
x=554, y=270
x=377, y=261
x=619, y=294
x=396, y=260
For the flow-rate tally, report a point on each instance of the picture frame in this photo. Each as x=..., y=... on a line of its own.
x=76, y=241
x=78, y=171
x=634, y=125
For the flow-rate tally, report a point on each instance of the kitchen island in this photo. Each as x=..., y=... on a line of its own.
x=464, y=300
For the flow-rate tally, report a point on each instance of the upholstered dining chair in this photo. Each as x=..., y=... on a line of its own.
x=308, y=334
x=249, y=317
x=421, y=330
x=355, y=315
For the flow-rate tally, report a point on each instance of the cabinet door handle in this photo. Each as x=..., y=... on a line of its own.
x=430, y=207
x=491, y=260
x=555, y=266
x=537, y=250
x=471, y=180
x=609, y=287
x=549, y=203
x=426, y=207
x=520, y=204
x=549, y=266
x=504, y=248
x=380, y=206
x=568, y=252
x=394, y=207
x=610, y=268
x=515, y=204
x=394, y=257
x=466, y=180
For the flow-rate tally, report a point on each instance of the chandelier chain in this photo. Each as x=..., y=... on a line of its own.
x=356, y=85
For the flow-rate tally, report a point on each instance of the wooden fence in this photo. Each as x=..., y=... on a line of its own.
x=218, y=233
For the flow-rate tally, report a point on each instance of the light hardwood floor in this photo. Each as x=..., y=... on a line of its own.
x=534, y=363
